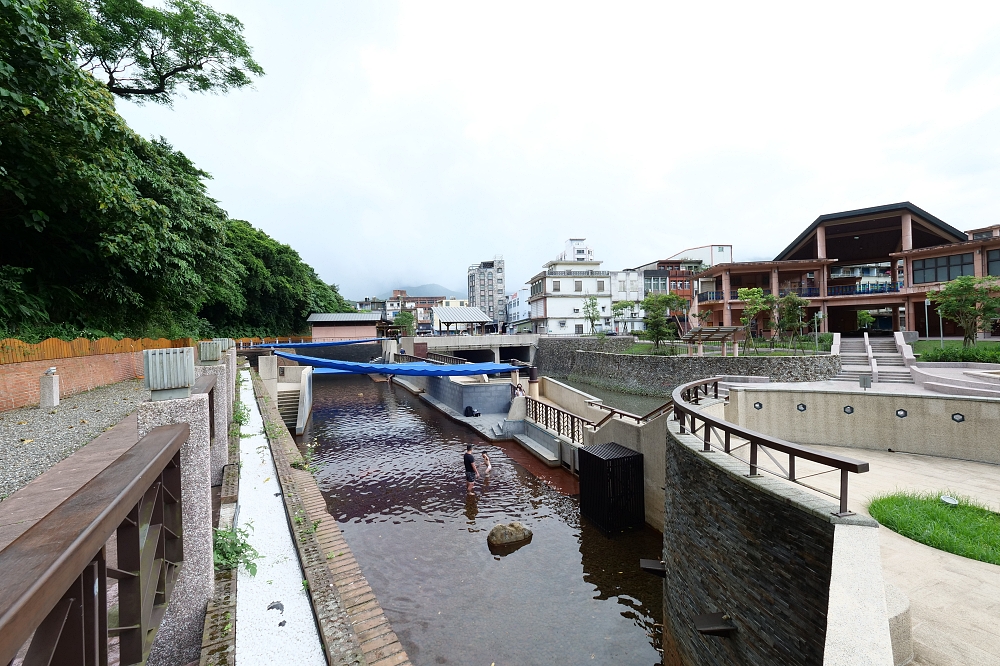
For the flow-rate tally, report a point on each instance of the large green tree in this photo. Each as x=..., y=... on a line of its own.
x=972, y=303
x=658, y=328
x=755, y=301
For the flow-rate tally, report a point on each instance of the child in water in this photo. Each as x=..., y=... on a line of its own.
x=486, y=461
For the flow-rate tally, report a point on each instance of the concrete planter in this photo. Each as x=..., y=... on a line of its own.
x=169, y=373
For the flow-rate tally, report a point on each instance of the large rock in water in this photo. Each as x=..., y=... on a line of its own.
x=505, y=539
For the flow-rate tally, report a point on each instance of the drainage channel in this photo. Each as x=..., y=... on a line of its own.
x=274, y=618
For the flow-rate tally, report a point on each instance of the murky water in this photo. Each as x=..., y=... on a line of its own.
x=391, y=470
x=636, y=404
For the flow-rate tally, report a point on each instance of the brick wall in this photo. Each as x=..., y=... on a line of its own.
x=19, y=381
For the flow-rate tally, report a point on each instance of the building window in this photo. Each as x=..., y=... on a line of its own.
x=993, y=262
x=576, y=310
x=600, y=285
x=579, y=329
x=621, y=285
x=577, y=285
x=942, y=269
x=555, y=285
x=982, y=235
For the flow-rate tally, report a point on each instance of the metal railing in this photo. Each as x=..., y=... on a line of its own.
x=558, y=420
x=410, y=358
x=725, y=432
x=864, y=288
x=54, y=577
x=578, y=273
x=614, y=411
x=446, y=359
x=710, y=296
x=805, y=292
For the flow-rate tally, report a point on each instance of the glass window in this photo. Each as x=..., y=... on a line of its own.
x=649, y=284
x=981, y=235
x=600, y=285
x=942, y=269
x=621, y=285
x=993, y=262
x=555, y=285
x=578, y=329
x=577, y=285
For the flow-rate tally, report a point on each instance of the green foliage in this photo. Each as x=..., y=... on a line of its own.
x=865, y=319
x=241, y=413
x=231, y=549
x=111, y=234
x=955, y=354
x=591, y=312
x=970, y=529
x=755, y=301
x=146, y=52
x=970, y=302
x=657, y=327
x=406, y=322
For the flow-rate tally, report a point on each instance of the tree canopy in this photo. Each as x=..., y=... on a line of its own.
x=658, y=328
x=109, y=233
x=970, y=302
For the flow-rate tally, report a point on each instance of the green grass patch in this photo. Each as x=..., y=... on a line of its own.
x=970, y=529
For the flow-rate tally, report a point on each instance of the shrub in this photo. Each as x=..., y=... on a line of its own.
x=231, y=549
x=976, y=354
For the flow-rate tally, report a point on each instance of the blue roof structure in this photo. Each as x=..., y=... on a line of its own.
x=404, y=369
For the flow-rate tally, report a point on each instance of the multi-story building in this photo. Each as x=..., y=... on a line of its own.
x=626, y=286
x=559, y=294
x=486, y=288
x=447, y=303
x=519, y=311
x=884, y=258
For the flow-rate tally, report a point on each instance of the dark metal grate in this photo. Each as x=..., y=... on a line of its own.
x=611, y=487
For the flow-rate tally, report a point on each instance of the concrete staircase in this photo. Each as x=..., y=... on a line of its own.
x=891, y=367
x=288, y=407
x=853, y=360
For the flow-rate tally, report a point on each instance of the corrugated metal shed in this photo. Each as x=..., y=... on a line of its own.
x=344, y=317
x=461, y=315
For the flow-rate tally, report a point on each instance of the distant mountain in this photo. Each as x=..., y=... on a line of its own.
x=428, y=290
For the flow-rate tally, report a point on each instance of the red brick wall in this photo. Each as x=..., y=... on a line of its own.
x=19, y=381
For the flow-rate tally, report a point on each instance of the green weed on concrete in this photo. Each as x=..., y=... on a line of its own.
x=970, y=529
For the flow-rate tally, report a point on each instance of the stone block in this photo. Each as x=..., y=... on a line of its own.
x=221, y=400
x=49, y=391
x=178, y=640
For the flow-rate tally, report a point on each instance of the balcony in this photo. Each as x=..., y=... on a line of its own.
x=578, y=273
x=804, y=292
x=864, y=289
x=707, y=296
x=734, y=294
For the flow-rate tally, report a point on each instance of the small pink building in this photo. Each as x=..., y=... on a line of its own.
x=330, y=327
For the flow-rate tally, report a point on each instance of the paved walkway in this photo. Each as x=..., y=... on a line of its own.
x=954, y=601
x=274, y=618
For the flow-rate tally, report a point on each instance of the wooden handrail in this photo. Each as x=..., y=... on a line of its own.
x=557, y=419
x=690, y=394
x=55, y=574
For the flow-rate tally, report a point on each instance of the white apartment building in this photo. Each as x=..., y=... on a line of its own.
x=487, y=290
x=559, y=293
x=519, y=311
x=627, y=285
x=447, y=303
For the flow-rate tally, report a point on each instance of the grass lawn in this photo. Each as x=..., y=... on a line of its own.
x=922, y=346
x=969, y=529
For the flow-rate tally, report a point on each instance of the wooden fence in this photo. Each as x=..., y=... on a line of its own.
x=16, y=351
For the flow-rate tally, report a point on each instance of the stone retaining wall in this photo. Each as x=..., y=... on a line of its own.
x=555, y=354
x=660, y=375
x=762, y=551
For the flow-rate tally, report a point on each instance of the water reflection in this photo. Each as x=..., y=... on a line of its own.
x=391, y=470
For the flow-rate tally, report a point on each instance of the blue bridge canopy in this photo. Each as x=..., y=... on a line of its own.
x=406, y=369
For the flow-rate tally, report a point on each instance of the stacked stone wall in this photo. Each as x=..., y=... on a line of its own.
x=555, y=355
x=750, y=548
x=660, y=375
x=19, y=386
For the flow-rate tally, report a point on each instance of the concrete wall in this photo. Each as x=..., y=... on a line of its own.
x=660, y=375
x=763, y=551
x=928, y=427
x=492, y=398
x=555, y=356
x=648, y=439
x=19, y=385
x=572, y=400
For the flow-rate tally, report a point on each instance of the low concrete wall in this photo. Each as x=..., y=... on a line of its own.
x=221, y=401
x=771, y=556
x=868, y=420
x=648, y=439
x=660, y=375
x=492, y=398
x=571, y=399
x=555, y=356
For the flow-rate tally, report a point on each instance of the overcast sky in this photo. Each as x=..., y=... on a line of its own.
x=396, y=144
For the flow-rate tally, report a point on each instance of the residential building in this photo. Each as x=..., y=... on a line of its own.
x=487, y=290
x=626, y=285
x=332, y=326
x=558, y=295
x=420, y=306
x=884, y=259
x=436, y=322
x=519, y=311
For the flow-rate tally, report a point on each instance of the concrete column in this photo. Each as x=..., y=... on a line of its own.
x=48, y=391
x=496, y=354
x=774, y=282
x=821, y=242
x=222, y=397
x=231, y=379
x=907, y=232
x=895, y=318
x=824, y=323
x=725, y=287
x=978, y=259
x=178, y=640
x=267, y=367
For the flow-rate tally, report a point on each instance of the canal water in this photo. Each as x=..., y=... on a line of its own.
x=391, y=470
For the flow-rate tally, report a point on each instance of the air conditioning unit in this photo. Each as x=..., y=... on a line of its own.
x=562, y=323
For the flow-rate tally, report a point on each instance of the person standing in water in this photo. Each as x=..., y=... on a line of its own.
x=486, y=461
x=471, y=471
